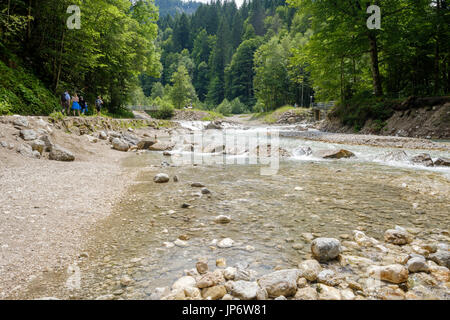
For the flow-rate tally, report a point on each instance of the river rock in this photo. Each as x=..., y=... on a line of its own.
x=180, y=243
x=202, y=267
x=102, y=135
x=197, y=185
x=38, y=145
x=48, y=144
x=214, y=148
x=244, y=290
x=394, y=273
x=125, y=281
x=306, y=293
x=441, y=257
x=324, y=249
x=26, y=151
x=161, y=178
x=145, y=144
x=225, y=243
x=222, y=219
x=210, y=279
x=262, y=294
x=28, y=134
x=417, y=264
x=120, y=145
x=442, y=162
x=221, y=263
x=280, y=283
x=302, y=151
x=21, y=121
x=214, y=293
x=214, y=125
x=334, y=154
x=229, y=273
x=423, y=159
x=398, y=236
x=310, y=269
x=184, y=282
x=58, y=153
x=363, y=240
x=395, y=156
x=205, y=191
x=329, y=293
x=327, y=277
x=193, y=293
x=161, y=146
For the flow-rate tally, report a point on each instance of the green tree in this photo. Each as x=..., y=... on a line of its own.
x=182, y=92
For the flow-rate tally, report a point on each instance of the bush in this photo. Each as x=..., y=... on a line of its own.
x=237, y=107
x=166, y=109
x=5, y=107
x=224, y=108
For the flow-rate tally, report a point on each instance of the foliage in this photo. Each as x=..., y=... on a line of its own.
x=22, y=93
x=224, y=108
x=182, y=91
x=165, y=109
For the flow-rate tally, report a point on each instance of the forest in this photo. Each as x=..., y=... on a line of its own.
x=257, y=57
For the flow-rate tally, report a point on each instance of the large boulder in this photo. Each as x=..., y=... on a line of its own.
x=244, y=290
x=38, y=145
x=398, y=236
x=324, y=249
x=334, y=154
x=58, y=153
x=145, y=144
x=130, y=138
x=423, y=159
x=28, y=135
x=394, y=273
x=27, y=151
x=120, y=145
x=47, y=142
x=280, y=283
x=442, y=162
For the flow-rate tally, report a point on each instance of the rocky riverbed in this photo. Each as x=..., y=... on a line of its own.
x=336, y=221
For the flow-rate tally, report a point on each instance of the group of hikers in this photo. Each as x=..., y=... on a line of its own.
x=78, y=104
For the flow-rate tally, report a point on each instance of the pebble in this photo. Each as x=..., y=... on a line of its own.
x=181, y=243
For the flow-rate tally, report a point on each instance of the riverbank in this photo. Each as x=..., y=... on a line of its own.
x=48, y=207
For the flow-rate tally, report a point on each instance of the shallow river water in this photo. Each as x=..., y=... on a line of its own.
x=272, y=217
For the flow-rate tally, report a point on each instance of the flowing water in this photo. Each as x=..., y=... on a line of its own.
x=272, y=216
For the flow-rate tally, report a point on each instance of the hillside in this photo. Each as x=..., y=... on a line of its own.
x=171, y=7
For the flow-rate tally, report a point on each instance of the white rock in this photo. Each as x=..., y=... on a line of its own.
x=225, y=243
x=184, y=282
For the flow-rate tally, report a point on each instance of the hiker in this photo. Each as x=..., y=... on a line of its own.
x=98, y=104
x=84, y=109
x=65, y=102
x=82, y=104
x=76, y=104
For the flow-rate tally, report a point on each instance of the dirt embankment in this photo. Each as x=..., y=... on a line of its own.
x=418, y=118
x=47, y=207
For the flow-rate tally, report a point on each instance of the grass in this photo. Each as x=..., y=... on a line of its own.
x=274, y=116
x=212, y=115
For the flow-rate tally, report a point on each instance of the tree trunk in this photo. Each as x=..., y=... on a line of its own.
x=60, y=61
x=378, y=90
x=29, y=20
